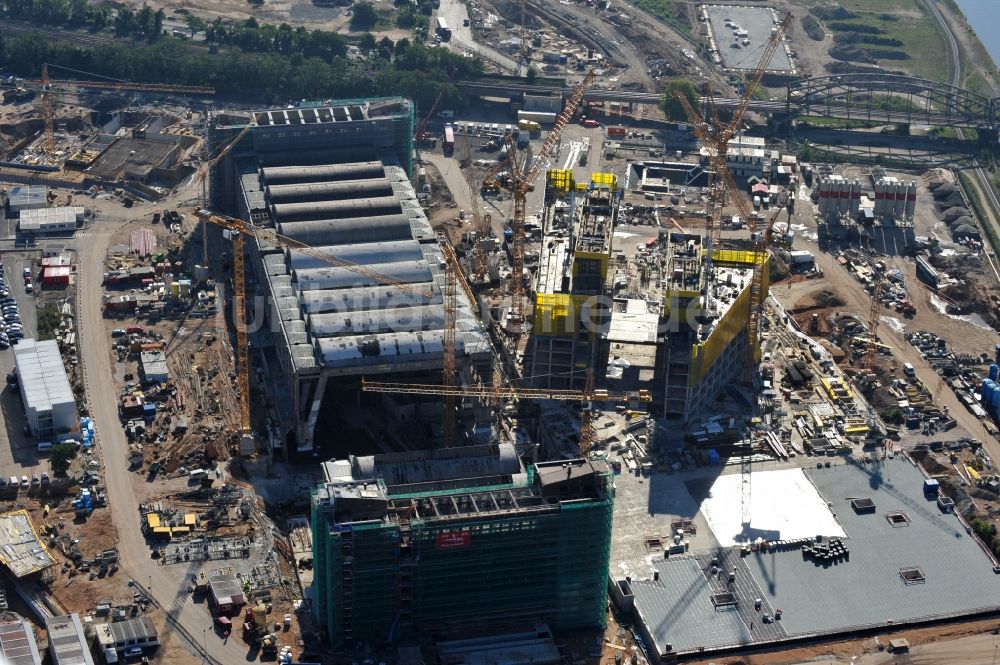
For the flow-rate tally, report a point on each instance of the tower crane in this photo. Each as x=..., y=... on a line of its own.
x=430, y=114
x=519, y=181
x=873, y=320
x=506, y=392
x=495, y=393
x=208, y=165
x=715, y=137
x=238, y=229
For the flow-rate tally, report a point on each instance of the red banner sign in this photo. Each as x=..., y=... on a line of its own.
x=453, y=540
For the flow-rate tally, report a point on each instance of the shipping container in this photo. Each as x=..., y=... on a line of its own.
x=616, y=131
x=442, y=29
x=449, y=140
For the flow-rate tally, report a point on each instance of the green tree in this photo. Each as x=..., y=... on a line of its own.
x=367, y=43
x=364, y=17
x=195, y=24
x=669, y=104
x=60, y=457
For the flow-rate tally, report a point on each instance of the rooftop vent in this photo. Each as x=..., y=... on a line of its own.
x=898, y=518
x=912, y=575
x=863, y=506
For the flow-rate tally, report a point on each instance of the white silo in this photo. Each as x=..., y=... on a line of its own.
x=855, y=197
x=844, y=204
x=879, y=199
x=824, y=197
x=911, y=199
x=899, y=207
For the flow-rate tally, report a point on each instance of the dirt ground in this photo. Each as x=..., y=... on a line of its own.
x=847, y=651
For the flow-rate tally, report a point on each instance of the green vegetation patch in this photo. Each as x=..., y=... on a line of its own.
x=47, y=319
x=895, y=34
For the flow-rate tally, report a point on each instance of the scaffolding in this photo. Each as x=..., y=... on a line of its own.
x=499, y=557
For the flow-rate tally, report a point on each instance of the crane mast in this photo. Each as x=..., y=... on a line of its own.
x=521, y=177
x=715, y=138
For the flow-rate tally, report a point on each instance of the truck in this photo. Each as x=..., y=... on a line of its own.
x=442, y=30
x=449, y=140
x=540, y=117
x=584, y=151
x=529, y=126
x=590, y=122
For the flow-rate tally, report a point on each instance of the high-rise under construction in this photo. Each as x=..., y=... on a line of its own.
x=452, y=541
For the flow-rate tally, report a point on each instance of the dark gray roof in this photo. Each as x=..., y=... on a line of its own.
x=677, y=609
x=133, y=629
x=868, y=588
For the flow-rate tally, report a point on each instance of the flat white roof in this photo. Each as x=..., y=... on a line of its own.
x=784, y=505
x=50, y=213
x=42, y=374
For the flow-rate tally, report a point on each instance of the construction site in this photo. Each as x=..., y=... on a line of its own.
x=351, y=377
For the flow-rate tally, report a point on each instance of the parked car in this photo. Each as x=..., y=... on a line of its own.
x=25, y=483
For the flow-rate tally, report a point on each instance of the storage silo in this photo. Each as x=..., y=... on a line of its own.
x=879, y=199
x=824, y=196
x=855, y=202
x=899, y=206
x=911, y=199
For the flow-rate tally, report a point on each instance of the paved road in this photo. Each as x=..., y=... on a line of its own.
x=955, y=66
x=454, y=12
x=166, y=582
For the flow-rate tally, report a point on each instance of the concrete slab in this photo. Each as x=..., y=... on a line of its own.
x=784, y=505
x=644, y=507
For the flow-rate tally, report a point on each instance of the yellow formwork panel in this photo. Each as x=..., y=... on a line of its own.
x=609, y=180
x=580, y=187
x=704, y=354
x=559, y=314
x=738, y=258
x=560, y=180
x=555, y=314
x=581, y=258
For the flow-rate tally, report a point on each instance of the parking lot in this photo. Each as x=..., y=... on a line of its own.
x=18, y=451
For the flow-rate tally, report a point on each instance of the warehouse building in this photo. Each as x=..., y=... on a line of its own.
x=49, y=403
x=336, y=177
x=26, y=197
x=459, y=539
x=121, y=636
x=67, y=641
x=50, y=220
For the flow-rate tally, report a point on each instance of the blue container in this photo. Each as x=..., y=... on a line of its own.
x=994, y=371
x=713, y=457
x=986, y=389
x=995, y=401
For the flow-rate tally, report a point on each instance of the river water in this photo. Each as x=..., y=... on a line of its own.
x=984, y=17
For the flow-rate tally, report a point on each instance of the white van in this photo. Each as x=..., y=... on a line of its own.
x=908, y=370
x=197, y=475
x=44, y=446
